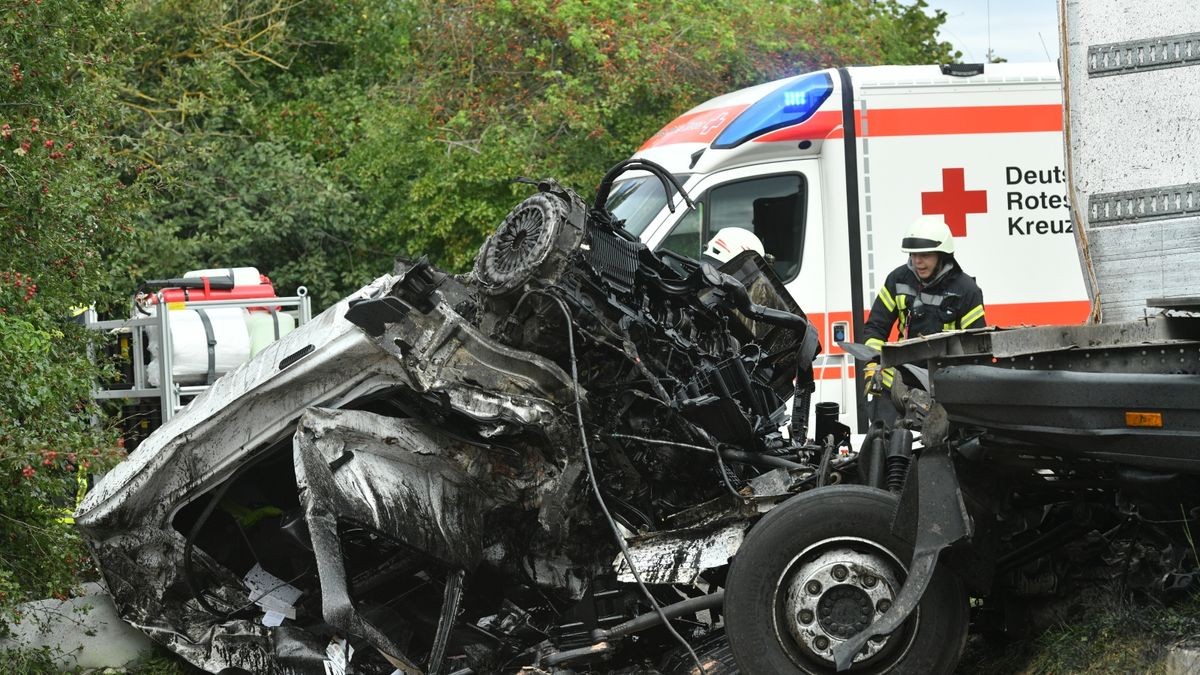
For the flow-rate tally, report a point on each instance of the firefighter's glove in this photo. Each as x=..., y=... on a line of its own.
x=876, y=380
x=871, y=384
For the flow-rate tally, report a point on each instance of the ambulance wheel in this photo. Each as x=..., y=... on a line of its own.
x=818, y=569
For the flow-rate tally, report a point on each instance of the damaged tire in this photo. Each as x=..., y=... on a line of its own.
x=820, y=568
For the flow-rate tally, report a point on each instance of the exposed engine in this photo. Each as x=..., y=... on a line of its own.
x=546, y=463
x=669, y=349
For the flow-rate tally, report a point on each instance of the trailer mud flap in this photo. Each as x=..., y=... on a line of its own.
x=933, y=515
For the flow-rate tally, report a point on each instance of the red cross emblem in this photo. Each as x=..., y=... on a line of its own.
x=954, y=201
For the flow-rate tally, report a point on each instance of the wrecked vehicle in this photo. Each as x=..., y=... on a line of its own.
x=546, y=463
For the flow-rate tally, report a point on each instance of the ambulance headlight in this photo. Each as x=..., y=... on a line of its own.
x=790, y=104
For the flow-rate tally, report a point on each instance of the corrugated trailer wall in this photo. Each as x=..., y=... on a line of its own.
x=1132, y=118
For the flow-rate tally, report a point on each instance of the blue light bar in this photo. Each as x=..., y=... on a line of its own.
x=790, y=104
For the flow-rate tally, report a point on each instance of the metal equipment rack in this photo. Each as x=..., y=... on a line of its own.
x=170, y=393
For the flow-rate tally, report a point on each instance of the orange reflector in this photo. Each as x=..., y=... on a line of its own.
x=1143, y=419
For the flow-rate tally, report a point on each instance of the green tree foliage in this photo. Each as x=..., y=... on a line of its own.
x=317, y=139
x=64, y=213
x=223, y=192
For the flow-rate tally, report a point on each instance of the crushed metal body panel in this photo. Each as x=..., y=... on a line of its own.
x=431, y=476
x=679, y=558
x=127, y=516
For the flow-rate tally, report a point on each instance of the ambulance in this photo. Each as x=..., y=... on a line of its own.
x=829, y=168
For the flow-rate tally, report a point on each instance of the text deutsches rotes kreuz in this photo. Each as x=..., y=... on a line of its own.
x=1033, y=192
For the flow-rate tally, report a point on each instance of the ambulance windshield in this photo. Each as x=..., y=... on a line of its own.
x=637, y=200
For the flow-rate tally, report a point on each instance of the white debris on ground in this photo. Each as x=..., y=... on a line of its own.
x=83, y=632
x=275, y=596
x=1183, y=659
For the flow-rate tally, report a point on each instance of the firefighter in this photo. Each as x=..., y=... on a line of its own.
x=927, y=295
x=728, y=242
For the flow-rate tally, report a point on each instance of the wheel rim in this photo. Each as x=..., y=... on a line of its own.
x=829, y=593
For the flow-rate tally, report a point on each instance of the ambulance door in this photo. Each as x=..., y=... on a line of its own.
x=781, y=203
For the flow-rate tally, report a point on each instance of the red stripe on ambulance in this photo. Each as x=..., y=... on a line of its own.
x=995, y=119
x=992, y=119
x=1009, y=315
x=703, y=126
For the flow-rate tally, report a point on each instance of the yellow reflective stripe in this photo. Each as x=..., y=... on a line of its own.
x=900, y=301
x=972, y=316
x=886, y=296
x=889, y=374
x=875, y=343
x=948, y=326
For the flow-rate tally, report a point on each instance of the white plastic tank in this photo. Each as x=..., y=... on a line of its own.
x=189, y=342
x=266, y=327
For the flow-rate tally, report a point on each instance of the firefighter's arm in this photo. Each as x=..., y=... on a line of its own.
x=973, y=310
x=883, y=316
x=879, y=327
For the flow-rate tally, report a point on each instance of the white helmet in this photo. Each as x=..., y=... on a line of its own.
x=926, y=235
x=730, y=241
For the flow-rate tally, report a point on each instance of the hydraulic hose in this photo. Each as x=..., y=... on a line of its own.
x=651, y=619
x=665, y=177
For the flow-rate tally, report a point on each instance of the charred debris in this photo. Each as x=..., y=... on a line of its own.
x=546, y=463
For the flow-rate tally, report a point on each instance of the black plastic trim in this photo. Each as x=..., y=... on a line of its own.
x=296, y=356
x=917, y=242
x=853, y=225
x=962, y=69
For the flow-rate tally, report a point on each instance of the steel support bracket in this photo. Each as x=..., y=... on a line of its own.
x=932, y=509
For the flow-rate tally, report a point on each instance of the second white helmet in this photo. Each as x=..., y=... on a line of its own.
x=730, y=241
x=927, y=234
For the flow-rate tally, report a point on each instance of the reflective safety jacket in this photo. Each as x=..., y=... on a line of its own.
x=950, y=301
